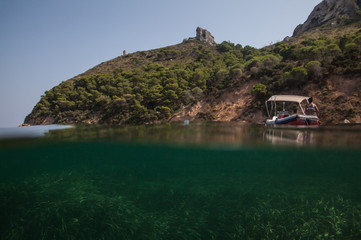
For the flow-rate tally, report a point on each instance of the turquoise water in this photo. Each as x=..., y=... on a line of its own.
x=175, y=181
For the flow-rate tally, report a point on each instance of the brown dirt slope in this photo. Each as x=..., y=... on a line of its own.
x=226, y=105
x=338, y=99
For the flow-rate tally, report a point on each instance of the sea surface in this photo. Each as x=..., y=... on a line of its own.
x=180, y=181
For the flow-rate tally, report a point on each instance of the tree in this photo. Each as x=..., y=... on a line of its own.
x=259, y=90
x=352, y=50
x=225, y=46
x=222, y=76
x=163, y=112
x=266, y=61
x=297, y=77
x=197, y=93
x=314, y=70
x=236, y=74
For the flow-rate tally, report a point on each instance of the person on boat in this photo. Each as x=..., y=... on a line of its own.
x=311, y=108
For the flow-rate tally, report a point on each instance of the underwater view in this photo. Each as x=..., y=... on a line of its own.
x=181, y=181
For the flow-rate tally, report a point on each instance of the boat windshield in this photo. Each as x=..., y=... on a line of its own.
x=284, y=105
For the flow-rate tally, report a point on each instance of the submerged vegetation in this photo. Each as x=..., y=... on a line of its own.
x=88, y=206
x=102, y=190
x=148, y=87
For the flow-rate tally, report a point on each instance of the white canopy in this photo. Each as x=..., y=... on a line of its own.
x=287, y=98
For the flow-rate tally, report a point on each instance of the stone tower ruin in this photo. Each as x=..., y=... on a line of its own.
x=204, y=36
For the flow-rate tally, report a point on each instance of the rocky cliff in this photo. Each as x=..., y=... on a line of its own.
x=328, y=11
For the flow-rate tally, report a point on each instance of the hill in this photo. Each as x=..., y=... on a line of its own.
x=201, y=80
x=330, y=12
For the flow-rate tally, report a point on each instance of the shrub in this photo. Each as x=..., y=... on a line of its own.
x=352, y=50
x=266, y=61
x=163, y=111
x=259, y=90
x=333, y=49
x=222, y=78
x=297, y=77
x=314, y=70
x=197, y=93
x=236, y=74
x=225, y=46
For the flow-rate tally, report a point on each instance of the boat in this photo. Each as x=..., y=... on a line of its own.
x=288, y=110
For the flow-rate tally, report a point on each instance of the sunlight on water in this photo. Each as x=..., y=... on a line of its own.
x=177, y=181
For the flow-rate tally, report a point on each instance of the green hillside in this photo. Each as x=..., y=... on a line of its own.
x=150, y=86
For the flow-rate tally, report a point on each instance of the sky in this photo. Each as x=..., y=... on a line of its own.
x=45, y=42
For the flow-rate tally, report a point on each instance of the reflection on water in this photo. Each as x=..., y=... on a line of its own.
x=329, y=136
x=224, y=134
x=194, y=132
x=198, y=133
x=277, y=136
x=288, y=137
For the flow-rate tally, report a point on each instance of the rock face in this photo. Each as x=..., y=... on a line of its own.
x=205, y=36
x=326, y=11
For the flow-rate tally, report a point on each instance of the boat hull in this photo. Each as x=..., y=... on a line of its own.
x=295, y=120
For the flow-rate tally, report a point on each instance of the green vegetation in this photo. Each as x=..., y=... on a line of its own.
x=112, y=190
x=259, y=90
x=314, y=70
x=153, y=85
x=91, y=206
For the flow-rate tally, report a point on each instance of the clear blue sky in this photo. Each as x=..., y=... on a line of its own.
x=45, y=42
